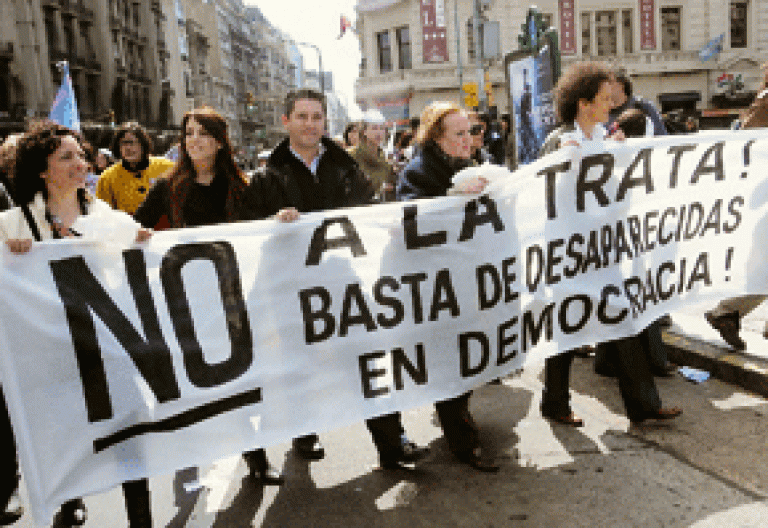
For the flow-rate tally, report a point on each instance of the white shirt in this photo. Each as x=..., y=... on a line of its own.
x=315, y=162
x=598, y=134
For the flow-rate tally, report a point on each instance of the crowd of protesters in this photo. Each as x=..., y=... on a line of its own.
x=49, y=177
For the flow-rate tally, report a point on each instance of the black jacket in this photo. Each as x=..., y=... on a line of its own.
x=287, y=182
x=428, y=174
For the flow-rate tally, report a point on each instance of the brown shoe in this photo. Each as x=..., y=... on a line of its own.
x=728, y=326
x=571, y=419
x=661, y=414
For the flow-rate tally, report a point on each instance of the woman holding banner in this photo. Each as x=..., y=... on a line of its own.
x=583, y=100
x=444, y=144
x=204, y=187
x=49, y=177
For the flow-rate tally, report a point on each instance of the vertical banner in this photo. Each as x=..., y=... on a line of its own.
x=434, y=41
x=647, y=25
x=530, y=85
x=567, y=28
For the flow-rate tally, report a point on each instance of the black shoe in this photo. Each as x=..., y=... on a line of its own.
x=667, y=371
x=661, y=414
x=407, y=453
x=268, y=476
x=260, y=470
x=665, y=321
x=309, y=447
x=728, y=326
x=71, y=513
x=605, y=371
x=475, y=460
x=13, y=511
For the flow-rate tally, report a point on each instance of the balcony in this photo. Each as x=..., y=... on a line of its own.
x=156, y=7
x=651, y=62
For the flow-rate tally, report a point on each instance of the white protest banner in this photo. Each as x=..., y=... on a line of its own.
x=119, y=364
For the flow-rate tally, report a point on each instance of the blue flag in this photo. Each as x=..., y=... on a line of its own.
x=712, y=48
x=64, y=107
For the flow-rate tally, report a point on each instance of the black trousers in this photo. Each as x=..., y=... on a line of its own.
x=387, y=432
x=137, y=505
x=629, y=359
x=556, y=398
x=460, y=430
x=656, y=350
x=9, y=462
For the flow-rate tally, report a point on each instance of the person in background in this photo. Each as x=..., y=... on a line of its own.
x=307, y=172
x=583, y=99
x=351, y=135
x=727, y=315
x=125, y=184
x=204, y=187
x=623, y=98
x=479, y=153
x=444, y=143
x=369, y=155
x=49, y=175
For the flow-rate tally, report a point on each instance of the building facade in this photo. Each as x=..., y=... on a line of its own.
x=416, y=51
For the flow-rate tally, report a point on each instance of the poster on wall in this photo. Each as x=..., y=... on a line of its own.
x=433, y=30
x=567, y=27
x=647, y=25
x=530, y=96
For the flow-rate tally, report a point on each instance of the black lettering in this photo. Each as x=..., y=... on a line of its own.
x=354, y=296
x=650, y=229
x=413, y=240
x=551, y=192
x=368, y=375
x=669, y=268
x=733, y=209
x=82, y=295
x=583, y=186
x=635, y=234
x=508, y=278
x=534, y=257
x=593, y=252
x=627, y=182
x=467, y=370
x=633, y=290
x=586, y=311
x=678, y=152
x=398, y=311
x=715, y=168
x=222, y=255
x=486, y=301
x=413, y=280
x=698, y=209
x=505, y=341
x=322, y=314
x=606, y=244
x=713, y=219
x=400, y=362
x=700, y=272
x=533, y=330
x=574, y=254
x=664, y=240
x=321, y=243
x=553, y=259
x=622, y=245
x=443, y=298
x=472, y=219
x=602, y=315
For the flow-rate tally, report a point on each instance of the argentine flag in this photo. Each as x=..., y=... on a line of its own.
x=64, y=107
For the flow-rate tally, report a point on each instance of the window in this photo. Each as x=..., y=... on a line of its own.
x=403, y=48
x=739, y=24
x=586, y=34
x=670, y=28
x=385, y=51
x=605, y=32
x=50, y=30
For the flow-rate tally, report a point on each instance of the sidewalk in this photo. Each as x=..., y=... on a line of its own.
x=692, y=342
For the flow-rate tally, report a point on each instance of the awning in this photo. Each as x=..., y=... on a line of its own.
x=680, y=97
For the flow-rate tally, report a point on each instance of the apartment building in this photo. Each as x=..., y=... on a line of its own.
x=416, y=51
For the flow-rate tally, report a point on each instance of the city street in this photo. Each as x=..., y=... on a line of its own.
x=704, y=469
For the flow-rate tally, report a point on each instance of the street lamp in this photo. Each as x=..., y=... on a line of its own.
x=319, y=63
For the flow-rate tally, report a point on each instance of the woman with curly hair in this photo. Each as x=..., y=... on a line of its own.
x=49, y=169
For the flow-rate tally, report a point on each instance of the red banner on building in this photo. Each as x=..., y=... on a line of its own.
x=434, y=40
x=647, y=25
x=567, y=27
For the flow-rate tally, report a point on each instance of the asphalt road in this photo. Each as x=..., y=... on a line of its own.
x=705, y=469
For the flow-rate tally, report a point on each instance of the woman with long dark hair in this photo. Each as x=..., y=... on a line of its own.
x=204, y=187
x=49, y=169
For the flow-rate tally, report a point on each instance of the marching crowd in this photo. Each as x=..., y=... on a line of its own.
x=47, y=171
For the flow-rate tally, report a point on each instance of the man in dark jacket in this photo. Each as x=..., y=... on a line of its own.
x=305, y=173
x=625, y=99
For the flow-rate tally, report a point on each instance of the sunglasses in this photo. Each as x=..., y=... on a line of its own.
x=476, y=130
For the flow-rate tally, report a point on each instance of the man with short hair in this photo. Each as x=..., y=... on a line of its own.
x=308, y=172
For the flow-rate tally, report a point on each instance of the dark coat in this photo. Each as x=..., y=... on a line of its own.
x=428, y=174
x=287, y=182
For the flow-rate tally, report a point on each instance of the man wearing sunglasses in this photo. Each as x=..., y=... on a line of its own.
x=476, y=134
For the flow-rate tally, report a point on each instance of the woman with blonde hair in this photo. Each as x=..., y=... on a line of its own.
x=444, y=148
